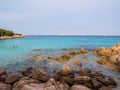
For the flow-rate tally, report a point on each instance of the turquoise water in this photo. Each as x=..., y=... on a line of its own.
x=13, y=59
x=9, y=54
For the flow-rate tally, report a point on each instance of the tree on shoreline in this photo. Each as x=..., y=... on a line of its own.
x=4, y=32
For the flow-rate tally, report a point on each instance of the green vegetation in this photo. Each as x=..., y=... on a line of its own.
x=4, y=32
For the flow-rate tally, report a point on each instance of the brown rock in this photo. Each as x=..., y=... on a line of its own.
x=49, y=57
x=66, y=72
x=96, y=84
x=78, y=63
x=72, y=53
x=66, y=80
x=110, y=56
x=24, y=84
x=12, y=78
x=30, y=86
x=36, y=58
x=84, y=51
x=53, y=85
x=84, y=73
x=102, y=62
x=2, y=71
x=62, y=58
x=109, y=81
x=79, y=87
x=113, y=58
x=3, y=77
x=105, y=88
x=62, y=87
x=81, y=79
x=89, y=85
x=87, y=70
x=97, y=75
x=79, y=52
x=104, y=52
x=65, y=58
x=4, y=86
x=27, y=71
x=40, y=74
x=49, y=85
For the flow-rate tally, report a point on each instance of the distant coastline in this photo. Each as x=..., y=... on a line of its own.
x=12, y=37
x=7, y=34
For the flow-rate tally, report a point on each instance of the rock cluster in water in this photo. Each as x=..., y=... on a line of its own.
x=109, y=57
x=63, y=58
x=66, y=79
x=71, y=54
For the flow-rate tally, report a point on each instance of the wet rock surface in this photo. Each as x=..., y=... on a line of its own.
x=79, y=87
x=2, y=72
x=110, y=57
x=12, y=78
x=65, y=79
x=40, y=74
x=4, y=86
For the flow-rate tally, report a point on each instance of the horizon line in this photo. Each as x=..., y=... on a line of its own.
x=67, y=35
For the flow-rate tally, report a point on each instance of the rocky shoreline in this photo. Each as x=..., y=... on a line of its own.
x=12, y=37
x=36, y=78
x=110, y=57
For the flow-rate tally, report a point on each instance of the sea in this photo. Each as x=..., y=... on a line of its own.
x=15, y=53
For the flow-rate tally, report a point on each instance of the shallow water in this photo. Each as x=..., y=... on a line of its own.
x=16, y=58
x=9, y=54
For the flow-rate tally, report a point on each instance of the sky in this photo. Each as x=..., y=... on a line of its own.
x=55, y=17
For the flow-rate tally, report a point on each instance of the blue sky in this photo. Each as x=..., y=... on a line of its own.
x=54, y=17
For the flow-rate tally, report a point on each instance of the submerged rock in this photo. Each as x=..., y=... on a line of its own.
x=36, y=58
x=82, y=51
x=62, y=58
x=78, y=63
x=72, y=53
x=49, y=57
x=37, y=49
x=101, y=62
